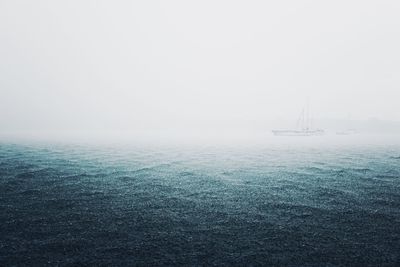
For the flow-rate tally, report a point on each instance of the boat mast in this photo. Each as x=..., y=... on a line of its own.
x=308, y=116
x=300, y=121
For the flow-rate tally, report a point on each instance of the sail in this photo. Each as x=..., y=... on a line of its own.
x=303, y=126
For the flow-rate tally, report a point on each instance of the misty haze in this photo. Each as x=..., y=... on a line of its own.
x=196, y=133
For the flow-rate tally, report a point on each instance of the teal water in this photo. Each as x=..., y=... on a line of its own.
x=91, y=205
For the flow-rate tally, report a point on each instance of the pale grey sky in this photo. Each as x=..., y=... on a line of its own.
x=102, y=64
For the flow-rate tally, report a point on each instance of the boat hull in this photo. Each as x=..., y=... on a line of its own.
x=346, y=132
x=298, y=132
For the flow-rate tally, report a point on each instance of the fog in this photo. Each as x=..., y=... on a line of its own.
x=196, y=68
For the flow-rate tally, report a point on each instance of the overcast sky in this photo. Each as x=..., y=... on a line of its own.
x=90, y=64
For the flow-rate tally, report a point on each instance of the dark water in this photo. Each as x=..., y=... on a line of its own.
x=148, y=206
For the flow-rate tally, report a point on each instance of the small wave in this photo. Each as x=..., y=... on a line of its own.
x=339, y=173
x=80, y=176
x=34, y=173
x=313, y=169
x=386, y=176
x=152, y=168
x=186, y=174
x=395, y=157
x=361, y=170
x=145, y=169
x=22, y=166
x=30, y=192
x=126, y=178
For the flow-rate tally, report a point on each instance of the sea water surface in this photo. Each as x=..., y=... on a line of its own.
x=137, y=205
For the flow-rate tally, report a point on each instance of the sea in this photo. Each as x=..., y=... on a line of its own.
x=78, y=204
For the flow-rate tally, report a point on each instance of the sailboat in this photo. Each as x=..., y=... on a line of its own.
x=303, y=127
